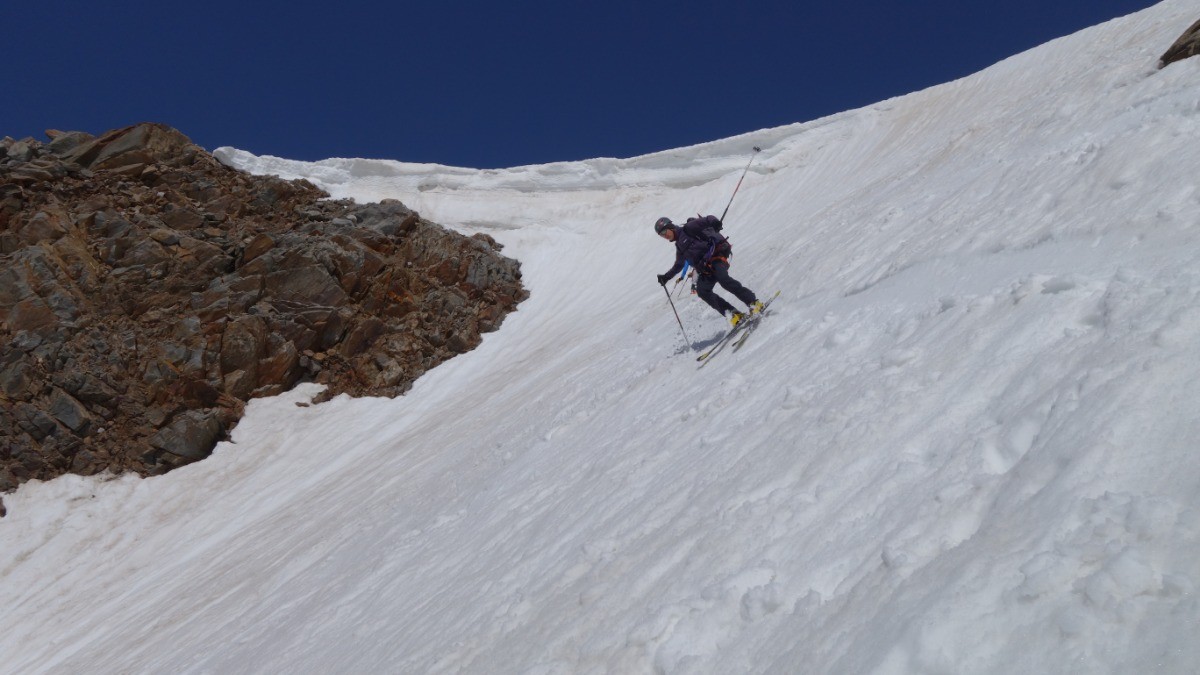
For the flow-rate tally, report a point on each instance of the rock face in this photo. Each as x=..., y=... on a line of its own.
x=1187, y=45
x=147, y=291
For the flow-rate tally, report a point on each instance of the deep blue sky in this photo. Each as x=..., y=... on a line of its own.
x=493, y=84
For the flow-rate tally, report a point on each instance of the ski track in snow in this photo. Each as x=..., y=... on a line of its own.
x=964, y=440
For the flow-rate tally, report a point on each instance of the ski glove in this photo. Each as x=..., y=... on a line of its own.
x=663, y=279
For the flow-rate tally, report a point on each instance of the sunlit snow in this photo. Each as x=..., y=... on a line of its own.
x=965, y=441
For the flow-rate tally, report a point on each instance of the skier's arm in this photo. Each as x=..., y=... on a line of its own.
x=676, y=267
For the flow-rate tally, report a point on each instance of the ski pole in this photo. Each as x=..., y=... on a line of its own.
x=680, y=285
x=739, y=183
x=682, y=276
x=685, y=337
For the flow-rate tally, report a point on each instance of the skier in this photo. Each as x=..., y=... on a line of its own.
x=699, y=243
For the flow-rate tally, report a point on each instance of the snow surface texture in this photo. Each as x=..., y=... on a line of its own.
x=964, y=442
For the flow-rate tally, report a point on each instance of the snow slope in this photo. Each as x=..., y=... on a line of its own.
x=964, y=442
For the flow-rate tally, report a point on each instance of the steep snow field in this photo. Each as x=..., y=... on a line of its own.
x=964, y=442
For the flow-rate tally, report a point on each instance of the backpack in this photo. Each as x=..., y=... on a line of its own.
x=719, y=246
x=713, y=223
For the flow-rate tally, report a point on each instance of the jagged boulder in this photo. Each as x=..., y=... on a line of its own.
x=135, y=146
x=1186, y=46
x=190, y=436
x=147, y=291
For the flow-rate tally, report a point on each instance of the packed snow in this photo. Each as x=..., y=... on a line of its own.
x=964, y=441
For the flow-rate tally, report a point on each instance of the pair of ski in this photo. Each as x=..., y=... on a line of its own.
x=741, y=331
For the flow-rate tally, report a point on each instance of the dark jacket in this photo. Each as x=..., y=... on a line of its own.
x=697, y=241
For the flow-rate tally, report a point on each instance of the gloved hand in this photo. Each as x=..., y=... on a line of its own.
x=663, y=279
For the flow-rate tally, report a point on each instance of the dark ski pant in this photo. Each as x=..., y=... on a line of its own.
x=720, y=275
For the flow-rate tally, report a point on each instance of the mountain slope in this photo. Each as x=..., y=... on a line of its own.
x=963, y=442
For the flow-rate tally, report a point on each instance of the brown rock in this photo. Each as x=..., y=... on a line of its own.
x=43, y=226
x=191, y=436
x=63, y=143
x=31, y=315
x=258, y=246
x=361, y=337
x=240, y=384
x=16, y=376
x=310, y=284
x=130, y=339
x=1186, y=46
x=224, y=207
x=242, y=344
x=182, y=219
x=73, y=415
x=138, y=144
x=281, y=366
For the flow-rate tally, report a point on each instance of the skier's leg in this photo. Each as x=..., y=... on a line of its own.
x=704, y=289
x=721, y=275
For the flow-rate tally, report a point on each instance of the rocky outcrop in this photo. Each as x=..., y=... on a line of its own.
x=1186, y=46
x=147, y=291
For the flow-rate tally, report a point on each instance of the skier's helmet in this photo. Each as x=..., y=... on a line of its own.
x=662, y=224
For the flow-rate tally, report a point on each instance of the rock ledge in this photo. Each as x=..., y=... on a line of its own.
x=147, y=291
